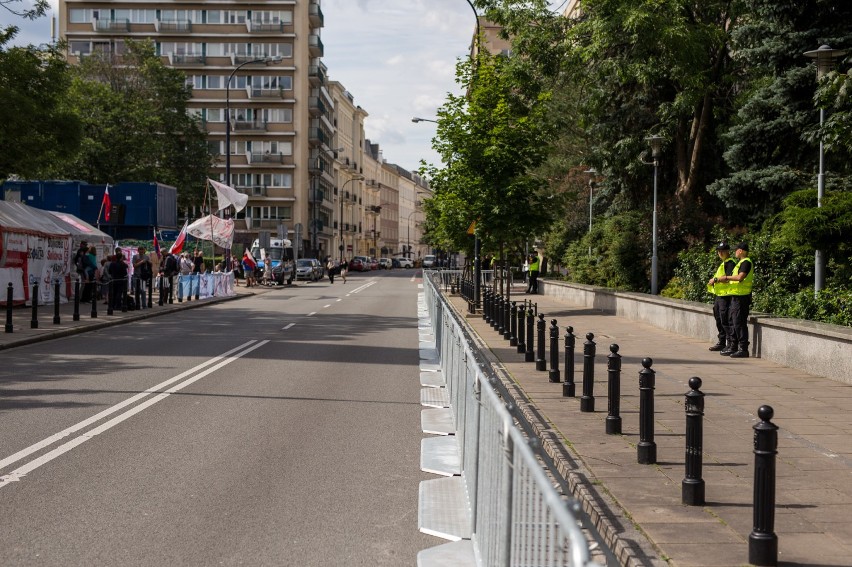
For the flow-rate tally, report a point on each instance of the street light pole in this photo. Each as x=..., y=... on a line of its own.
x=656, y=143
x=591, y=172
x=825, y=57
x=340, y=222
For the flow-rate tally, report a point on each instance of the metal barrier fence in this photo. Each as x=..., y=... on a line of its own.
x=517, y=516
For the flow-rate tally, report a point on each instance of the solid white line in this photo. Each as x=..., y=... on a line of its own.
x=361, y=288
x=287, y=327
x=111, y=410
x=17, y=474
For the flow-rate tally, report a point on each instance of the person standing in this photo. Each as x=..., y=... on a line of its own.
x=329, y=266
x=197, y=261
x=741, y=284
x=142, y=274
x=535, y=262
x=344, y=267
x=722, y=303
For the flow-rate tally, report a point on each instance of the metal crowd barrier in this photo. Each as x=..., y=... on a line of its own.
x=517, y=516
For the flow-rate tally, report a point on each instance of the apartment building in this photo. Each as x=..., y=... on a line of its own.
x=254, y=65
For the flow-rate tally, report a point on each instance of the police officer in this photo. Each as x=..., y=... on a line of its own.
x=740, y=291
x=722, y=303
x=534, y=267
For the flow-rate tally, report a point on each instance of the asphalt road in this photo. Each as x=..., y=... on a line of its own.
x=281, y=429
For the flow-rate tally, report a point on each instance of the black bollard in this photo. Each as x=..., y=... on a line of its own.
x=513, y=328
x=171, y=290
x=569, y=388
x=122, y=298
x=522, y=317
x=529, y=356
x=501, y=315
x=198, y=288
x=76, y=316
x=10, y=296
x=587, y=400
x=160, y=289
x=495, y=312
x=34, y=320
x=613, y=366
x=692, y=486
x=554, y=375
x=507, y=320
x=762, y=541
x=94, y=313
x=137, y=292
x=486, y=306
x=647, y=448
x=56, y=320
x=540, y=361
x=150, y=293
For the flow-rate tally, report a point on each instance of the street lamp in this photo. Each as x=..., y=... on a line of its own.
x=342, y=245
x=591, y=172
x=656, y=143
x=825, y=57
x=417, y=119
x=269, y=61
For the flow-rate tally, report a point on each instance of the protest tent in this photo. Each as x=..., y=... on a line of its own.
x=33, y=247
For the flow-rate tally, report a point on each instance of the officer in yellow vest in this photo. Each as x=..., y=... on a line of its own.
x=534, y=268
x=741, y=284
x=722, y=303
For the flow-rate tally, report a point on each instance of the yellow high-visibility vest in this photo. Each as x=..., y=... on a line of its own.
x=743, y=287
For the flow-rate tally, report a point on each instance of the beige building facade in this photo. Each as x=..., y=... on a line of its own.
x=296, y=144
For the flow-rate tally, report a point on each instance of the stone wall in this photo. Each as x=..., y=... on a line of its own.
x=815, y=348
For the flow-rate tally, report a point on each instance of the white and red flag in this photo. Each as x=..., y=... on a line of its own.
x=249, y=260
x=177, y=247
x=106, y=204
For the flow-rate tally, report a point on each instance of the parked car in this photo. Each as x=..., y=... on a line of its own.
x=405, y=262
x=429, y=261
x=374, y=264
x=283, y=272
x=356, y=264
x=308, y=269
x=385, y=263
x=363, y=263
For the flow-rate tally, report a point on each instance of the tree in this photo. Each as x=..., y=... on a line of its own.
x=771, y=145
x=136, y=124
x=38, y=128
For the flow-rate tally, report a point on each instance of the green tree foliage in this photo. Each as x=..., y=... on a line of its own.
x=490, y=140
x=37, y=127
x=136, y=124
x=771, y=147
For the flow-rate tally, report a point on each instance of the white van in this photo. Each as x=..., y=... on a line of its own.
x=429, y=261
x=280, y=251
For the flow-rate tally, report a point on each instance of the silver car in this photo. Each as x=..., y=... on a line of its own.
x=308, y=269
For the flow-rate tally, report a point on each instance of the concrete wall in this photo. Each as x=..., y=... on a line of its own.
x=815, y=348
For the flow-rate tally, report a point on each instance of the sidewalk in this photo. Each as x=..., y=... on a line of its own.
x=22, y=332
x=626, y=499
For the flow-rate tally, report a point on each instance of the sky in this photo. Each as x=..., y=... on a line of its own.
x=396, y=57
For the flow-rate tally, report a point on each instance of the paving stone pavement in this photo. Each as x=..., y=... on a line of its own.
x=814, y=462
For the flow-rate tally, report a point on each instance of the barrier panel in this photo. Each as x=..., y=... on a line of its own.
x=516, y=516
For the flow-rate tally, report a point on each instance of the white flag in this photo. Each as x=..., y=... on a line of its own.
x=228, y=196
x=220, y=231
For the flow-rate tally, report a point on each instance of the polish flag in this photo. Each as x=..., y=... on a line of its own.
x=156, y=242
x=106, y=204
x=177, y=247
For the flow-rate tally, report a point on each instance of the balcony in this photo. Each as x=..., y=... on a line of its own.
x=177, y=59
x=315, y=46
x=316, y=136
x=173, y=26
x=260, y=27
x=256, y=58
x=248, y=126
x=316, y=75
x=316, y=196
x=252, y=190
x=315, y=16
x=265, y=93
x=111, y=25
x=258, y=157
x=316, y=106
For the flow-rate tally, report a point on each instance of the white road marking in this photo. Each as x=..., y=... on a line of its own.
x=312, y=313
x=361, y=288
x=326, y=306
x=340, y=299
x=20, y=472
x=287, y=327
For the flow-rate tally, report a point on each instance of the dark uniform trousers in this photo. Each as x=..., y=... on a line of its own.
x=740, y=306
x=722, y=314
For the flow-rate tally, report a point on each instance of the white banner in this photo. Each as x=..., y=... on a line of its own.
x=220, y=231
x=227, y=196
